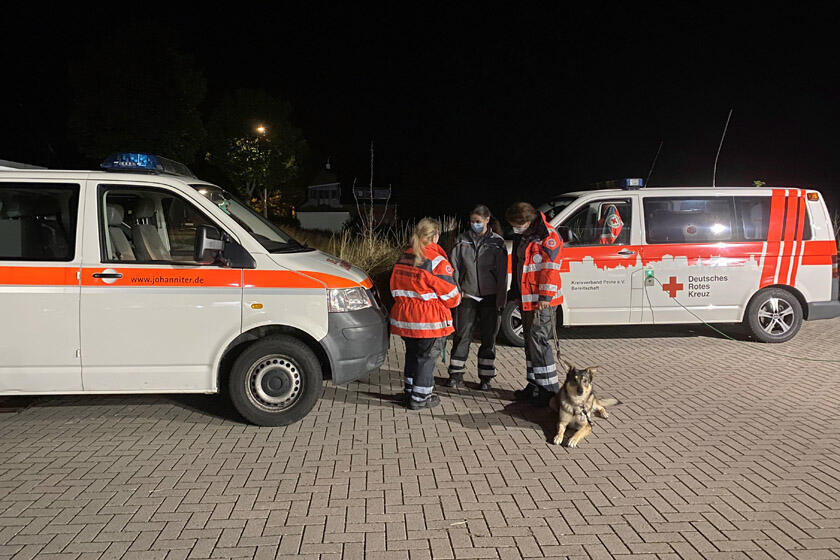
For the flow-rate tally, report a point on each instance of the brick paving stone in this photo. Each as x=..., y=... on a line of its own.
x=697, y=462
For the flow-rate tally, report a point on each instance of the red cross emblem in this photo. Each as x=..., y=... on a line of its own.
x=672, y=287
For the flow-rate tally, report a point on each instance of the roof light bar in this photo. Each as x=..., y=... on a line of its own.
x=136, y=161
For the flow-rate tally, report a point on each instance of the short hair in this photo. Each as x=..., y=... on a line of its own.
x=520, y=213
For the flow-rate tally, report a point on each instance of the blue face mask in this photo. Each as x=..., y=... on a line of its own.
x=477, y=227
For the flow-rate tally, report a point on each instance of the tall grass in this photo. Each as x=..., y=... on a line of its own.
x=374, y=252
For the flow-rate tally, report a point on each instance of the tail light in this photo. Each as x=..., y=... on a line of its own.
x=834, y=266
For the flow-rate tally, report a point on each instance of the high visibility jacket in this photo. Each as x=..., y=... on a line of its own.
x=611, y=224
x=540, y=256
x=423, y=295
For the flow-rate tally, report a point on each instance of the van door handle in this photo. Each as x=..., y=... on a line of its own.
x=626, y=252
x=107, y=275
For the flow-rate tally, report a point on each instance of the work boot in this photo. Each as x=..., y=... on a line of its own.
x=543, y=398
x=485, y=384
x=527, y=393
x=431, y=402
x=455, y=382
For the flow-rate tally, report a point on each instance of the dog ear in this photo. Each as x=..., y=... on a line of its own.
x=569, y=366
x=593, y=370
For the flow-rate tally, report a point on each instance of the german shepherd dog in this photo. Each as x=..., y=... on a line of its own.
x=575, y=403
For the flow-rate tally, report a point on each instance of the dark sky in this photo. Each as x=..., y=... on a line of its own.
x=487, y=104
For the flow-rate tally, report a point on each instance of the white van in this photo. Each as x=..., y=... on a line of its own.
x=144, y=279
x=766, y=257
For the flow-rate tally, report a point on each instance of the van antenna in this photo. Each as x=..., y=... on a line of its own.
x=725, y=128
x=652, y=165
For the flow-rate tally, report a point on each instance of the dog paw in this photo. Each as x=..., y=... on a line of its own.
x=558, y=440
x=572, y=443
x=604, y=414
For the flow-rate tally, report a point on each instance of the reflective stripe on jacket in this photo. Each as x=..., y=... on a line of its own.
x=423, y=295
x=540, y=253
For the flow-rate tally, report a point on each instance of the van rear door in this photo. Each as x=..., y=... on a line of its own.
x=40, y=255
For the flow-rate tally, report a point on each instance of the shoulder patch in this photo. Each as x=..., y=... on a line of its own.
x=551, y=242
x=537, y=259
x=449, y=269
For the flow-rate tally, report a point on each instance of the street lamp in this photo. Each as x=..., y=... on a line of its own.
x=261, y=132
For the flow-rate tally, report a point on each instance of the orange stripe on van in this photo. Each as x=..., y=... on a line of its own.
x=774, y=236
x=165, y=277
x=38, y=275
x=800, y=230
x=302, y=279
x=788, y=236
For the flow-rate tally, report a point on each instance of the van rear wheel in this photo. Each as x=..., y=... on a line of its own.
x=276, y=381
x=774, y=315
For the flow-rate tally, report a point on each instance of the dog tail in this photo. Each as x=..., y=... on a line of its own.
x=608, y=402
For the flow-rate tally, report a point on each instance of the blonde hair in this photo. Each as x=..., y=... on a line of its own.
x=424, y=232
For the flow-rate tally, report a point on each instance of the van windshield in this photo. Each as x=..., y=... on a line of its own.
x=274, y=239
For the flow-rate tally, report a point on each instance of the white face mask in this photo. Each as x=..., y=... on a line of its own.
x=519, y=229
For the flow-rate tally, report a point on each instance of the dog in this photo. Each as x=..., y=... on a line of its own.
x=575, y=403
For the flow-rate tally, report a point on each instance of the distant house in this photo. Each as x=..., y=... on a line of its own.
x=384, y=209
x=323, y=208
x=329, y=207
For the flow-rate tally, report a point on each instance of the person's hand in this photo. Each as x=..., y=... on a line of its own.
x=542, y=305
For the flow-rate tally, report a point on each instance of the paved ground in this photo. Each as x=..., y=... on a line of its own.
x=721, y=450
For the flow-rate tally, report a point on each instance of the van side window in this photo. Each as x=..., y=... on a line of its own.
x=753, y=216
x=147, y=225
x=688, y=219
x=38, y=221
x=600, y=222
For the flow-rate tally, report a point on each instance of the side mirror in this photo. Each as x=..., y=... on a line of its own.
x=208, y=245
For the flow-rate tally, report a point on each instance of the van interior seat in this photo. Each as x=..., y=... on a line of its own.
x=52, y=232
x=120, y=247
x=147, y=241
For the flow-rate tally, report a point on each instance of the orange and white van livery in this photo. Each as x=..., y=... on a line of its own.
x=766, y=257
x=144, y=279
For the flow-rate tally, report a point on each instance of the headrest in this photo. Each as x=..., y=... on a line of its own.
x=14, y=209
x=115, y=214
x=145, y=209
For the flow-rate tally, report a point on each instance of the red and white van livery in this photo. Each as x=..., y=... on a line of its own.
x=764, y=256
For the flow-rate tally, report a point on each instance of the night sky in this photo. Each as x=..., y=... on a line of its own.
x=485, y=104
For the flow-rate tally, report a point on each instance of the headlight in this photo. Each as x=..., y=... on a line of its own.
x=347, y=299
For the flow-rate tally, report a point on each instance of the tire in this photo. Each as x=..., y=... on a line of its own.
x=774, y=315
x=276, y=381
x=511, y=326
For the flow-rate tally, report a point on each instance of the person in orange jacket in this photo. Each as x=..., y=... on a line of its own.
x=424, y=291
x=536, y=260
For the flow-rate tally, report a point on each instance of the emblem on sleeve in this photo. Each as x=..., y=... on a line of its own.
x=551, y=242
x=537, y=259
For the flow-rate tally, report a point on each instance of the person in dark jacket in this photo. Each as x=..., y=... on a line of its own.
x=479, y=258
x=536, y=261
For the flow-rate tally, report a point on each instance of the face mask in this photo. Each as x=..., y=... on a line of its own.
x=519, y=229
x=477, y=227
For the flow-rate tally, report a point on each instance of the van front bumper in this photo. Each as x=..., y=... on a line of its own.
x=823, y=310
x=356, y=343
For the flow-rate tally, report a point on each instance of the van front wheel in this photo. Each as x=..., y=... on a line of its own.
x=774, y=315
x=276, y=381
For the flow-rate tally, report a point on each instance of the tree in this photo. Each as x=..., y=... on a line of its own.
x=134, y=91
x=254, y=144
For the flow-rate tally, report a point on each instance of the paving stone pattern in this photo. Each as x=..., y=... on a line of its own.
x=720, y=449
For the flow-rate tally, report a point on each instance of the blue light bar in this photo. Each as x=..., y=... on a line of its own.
x=134, y=161
x=632, y=183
